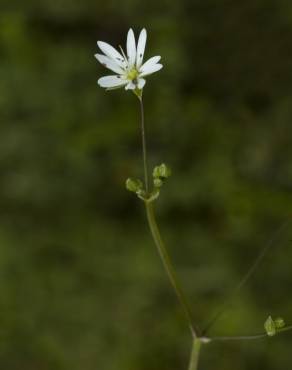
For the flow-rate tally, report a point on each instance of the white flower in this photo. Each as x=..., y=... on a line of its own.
x=129, y=69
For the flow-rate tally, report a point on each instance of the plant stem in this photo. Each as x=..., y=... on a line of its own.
x=144, y=145
x=248, y=337
x=196, y=348
x=263, y=252
x=157, y=237
x=169, y=267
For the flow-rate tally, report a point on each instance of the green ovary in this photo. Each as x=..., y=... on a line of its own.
x=133, y=74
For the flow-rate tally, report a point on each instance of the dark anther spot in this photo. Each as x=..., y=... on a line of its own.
x=141, y=55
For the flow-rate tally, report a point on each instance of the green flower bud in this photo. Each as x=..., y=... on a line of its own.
x=279, y=323
x=134, y=185
x=162, y=171
x=270, y=327
x=157, y=182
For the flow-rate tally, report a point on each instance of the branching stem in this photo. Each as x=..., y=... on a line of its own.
x=170, y=271
x=157, y=237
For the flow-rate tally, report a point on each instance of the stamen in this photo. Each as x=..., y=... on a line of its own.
x=124, y=55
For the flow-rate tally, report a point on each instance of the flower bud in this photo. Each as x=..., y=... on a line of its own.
x=157, y=182
x=134, y=185
x=279, y=323
x=161, y=172
x=270, y=327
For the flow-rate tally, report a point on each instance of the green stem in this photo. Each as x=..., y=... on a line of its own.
x=248, y=337
x=195, y=354
x=144, y=144
x=169, y=267
x=156, y=234
x=263, y=252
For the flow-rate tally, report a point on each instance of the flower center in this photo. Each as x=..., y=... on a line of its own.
x=132, y=74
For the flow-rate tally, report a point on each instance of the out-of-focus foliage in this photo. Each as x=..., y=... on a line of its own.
x=81, y=284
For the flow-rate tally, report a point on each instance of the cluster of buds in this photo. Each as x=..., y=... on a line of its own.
x=273, y=325
x=160, y=174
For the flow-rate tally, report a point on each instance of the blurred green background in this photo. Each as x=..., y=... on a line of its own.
x=81, y=284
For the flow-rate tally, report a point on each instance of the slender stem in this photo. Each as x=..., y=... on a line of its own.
x=195, y=354
x=169, y=267
x=263, y=252
x=144, y=145
x=238, y=337
x=248, y=337
x=157, y=237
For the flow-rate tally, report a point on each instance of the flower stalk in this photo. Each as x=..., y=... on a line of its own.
x=144, y=148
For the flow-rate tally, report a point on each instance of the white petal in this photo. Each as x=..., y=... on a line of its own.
x=149, y=63
x=131, y=48
x=151, y=69
x=141, y=47
x=141, y=83
x=111, y=52
x=130, y=86
x=109, y=63
x=111, y=81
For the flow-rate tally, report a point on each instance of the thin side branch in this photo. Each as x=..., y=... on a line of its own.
x=247, y=276
x=248, y=337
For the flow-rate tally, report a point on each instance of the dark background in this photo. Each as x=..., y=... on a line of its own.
x=81, y=285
